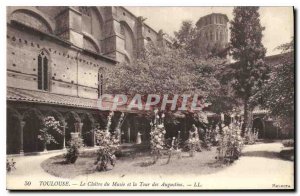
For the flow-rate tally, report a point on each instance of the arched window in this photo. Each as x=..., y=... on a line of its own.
x=43, y=71
x=100, y=82
x=211, y=35
x=221, y=36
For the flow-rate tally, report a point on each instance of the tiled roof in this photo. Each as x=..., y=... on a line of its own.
x=24, y=95
x=16, y=94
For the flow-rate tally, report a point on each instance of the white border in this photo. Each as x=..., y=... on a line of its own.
x=5, y=3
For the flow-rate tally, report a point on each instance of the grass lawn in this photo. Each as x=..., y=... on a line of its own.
x=202, y=163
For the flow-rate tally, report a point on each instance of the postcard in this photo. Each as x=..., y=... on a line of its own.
x=150, y=98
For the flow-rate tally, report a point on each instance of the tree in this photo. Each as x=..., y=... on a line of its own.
x=278, y=93
x=158, y=72
x=50, y=125
x=187, y=36
x=250, y=71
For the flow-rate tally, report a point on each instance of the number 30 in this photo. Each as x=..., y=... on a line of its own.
x=27, y=183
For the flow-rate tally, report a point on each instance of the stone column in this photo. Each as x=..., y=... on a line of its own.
x=94, y=138
x=80, y=128
x=64, y=133
x=21, y=137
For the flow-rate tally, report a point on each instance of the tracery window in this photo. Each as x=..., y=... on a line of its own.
x=100, y=82
x=43, y=71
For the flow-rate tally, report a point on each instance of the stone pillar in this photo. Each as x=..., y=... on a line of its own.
x=94, y=138
x=80, y=128
x=64, y=133
x=21, y=137
x=128, y=131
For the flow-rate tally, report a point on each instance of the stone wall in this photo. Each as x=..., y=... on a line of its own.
x=71, y=72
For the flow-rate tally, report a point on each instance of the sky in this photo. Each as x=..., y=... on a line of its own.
x=278, y=21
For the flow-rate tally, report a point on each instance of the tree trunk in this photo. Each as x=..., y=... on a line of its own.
x=246, y=116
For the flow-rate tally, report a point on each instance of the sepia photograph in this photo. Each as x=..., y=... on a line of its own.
x=150, y=98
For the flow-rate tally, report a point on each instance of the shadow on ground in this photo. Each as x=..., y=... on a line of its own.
x=264, y=154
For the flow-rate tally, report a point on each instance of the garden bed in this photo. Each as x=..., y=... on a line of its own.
x=202, y=163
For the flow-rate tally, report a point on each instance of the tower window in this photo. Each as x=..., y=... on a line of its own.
x=100, y=82
x=221, y=36
x=43, y=72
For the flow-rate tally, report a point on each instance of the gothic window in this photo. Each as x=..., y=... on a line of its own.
x=211, y=35
x=221, y=20
x=43, y=71
x=100, y=82
x=217, y=35
x=221, y=36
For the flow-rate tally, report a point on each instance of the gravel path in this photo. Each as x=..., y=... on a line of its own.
x=258, y=168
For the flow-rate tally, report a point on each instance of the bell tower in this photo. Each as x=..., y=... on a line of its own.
x=212, y=33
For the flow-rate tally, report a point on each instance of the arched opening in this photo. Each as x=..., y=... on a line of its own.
x=72, y=120
x=33, y=123
x=129, y=40
x=258, y=126
x=87, y=130
x=13, y=134
x=57, y=136
x=129, y=130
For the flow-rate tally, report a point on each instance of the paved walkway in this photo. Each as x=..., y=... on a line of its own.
x=259, y=167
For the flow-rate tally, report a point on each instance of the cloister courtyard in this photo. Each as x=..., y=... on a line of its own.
x=259, y=166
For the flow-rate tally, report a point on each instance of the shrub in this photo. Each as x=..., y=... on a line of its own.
x=73, y=150
x=209, y=139
x=157, y=141
x=230, y=144
x=49, y=124
x=108, y=146
x=288, y=143
x=10, y=165
x=251, y=137
x=193, y=145
x=157, y=136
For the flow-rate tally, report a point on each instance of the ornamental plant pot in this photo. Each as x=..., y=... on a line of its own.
x=74, y=135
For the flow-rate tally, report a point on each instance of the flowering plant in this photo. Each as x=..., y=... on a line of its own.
x=230, y=144
x=108, y=145
x=49, y=124
x=157, y=136
x=10, y=165
x=193, y=142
